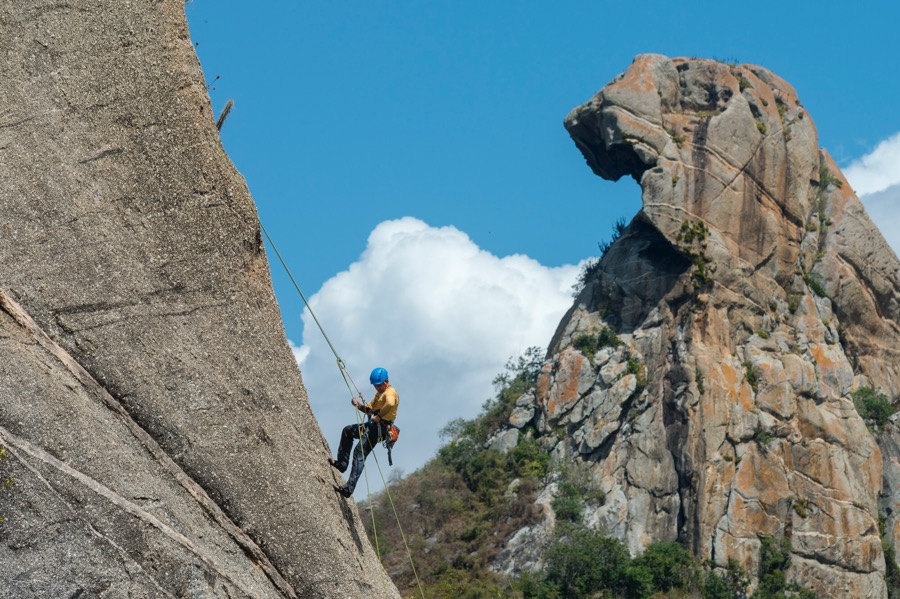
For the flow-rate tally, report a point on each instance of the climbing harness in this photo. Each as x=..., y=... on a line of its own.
x=393, y=431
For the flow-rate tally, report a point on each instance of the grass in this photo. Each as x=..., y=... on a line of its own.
x=814, y=282
x=751, y=375
x=635, y=367
x=592, y=266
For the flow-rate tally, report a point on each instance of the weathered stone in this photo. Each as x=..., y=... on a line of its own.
x=506, y=440
x=562, y=385
x=155, y=424
x=521, y=416
x=756, y=296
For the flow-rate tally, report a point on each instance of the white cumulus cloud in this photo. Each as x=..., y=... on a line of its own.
x=877, y=170
x=884, y=210
x=875, y=178
x=441, y=315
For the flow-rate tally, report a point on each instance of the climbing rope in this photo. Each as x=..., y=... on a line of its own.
x=348, y=381
x=402, y=536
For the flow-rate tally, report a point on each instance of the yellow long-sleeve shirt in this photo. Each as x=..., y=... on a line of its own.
x=385, y=403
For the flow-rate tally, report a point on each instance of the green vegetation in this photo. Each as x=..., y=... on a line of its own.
x=793, y=302
x=782, y=108
x=459, y=510
x=692, y=231
x=814, y=282
x=8, y=481
x=732, y=585
x=588, y=272
x=891, y=570
x=590, y=267
x=618, y=229
x=583, y=563
x=774, y=559
x=801, y=507
x=761, y=126
x=873, y=406
x=826, y=178
x=591, y=344
x=763, y=437
x=573, y=492
x=700, y=274
x=751, y=375
x=635, y=367
x=692, y=238
x=698, y=378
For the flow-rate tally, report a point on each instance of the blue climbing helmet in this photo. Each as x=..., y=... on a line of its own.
x=378, y=376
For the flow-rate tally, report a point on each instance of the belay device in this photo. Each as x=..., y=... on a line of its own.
x=393, y=435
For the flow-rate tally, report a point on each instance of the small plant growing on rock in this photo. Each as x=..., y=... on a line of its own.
x=692, y=230
x=590, y=267
x=751, y=375
x=763, y=437
x=826, y=178
x=793, y=302
x=637, y=369
x=774, y=561
x=801, y=507
x=692, y=238
x=814, y=282
x=618, y=229
x=591, y=344
x=588, y=272
x=761, y=126
x=873, y=406
x=698, y=378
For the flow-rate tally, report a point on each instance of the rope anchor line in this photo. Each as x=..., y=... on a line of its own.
x=348, y=381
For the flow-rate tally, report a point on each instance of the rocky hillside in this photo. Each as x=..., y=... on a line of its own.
x=155, y=435
x=725, y=376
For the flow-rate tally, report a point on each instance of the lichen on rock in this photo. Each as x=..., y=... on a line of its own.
x=756, y=296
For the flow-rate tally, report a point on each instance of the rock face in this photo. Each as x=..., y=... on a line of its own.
x=155, y=435
x=752, y=295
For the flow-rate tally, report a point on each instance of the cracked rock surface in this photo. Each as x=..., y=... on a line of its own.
x=156, y=436
x=751, y=295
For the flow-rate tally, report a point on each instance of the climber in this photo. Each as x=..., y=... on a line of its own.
x=383, y=411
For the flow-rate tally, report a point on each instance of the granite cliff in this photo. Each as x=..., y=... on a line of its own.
x=750, y=298
x=155, y=434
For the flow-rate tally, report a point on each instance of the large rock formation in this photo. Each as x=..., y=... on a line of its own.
x=155, y=435
x=753, y=296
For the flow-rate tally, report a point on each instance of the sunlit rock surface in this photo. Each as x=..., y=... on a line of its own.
x=752, y=295
x=155, y=434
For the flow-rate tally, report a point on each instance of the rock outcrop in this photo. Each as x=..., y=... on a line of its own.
x=155, y=435
x=751, y=296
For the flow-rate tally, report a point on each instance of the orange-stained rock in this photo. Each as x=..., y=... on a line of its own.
x=753, y=296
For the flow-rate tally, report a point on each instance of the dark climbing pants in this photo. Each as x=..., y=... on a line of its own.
x=370, y=434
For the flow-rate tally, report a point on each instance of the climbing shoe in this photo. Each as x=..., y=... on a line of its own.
x=336, y=466
x=344, y=491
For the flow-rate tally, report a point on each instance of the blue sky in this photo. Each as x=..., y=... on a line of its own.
x=409, y=160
